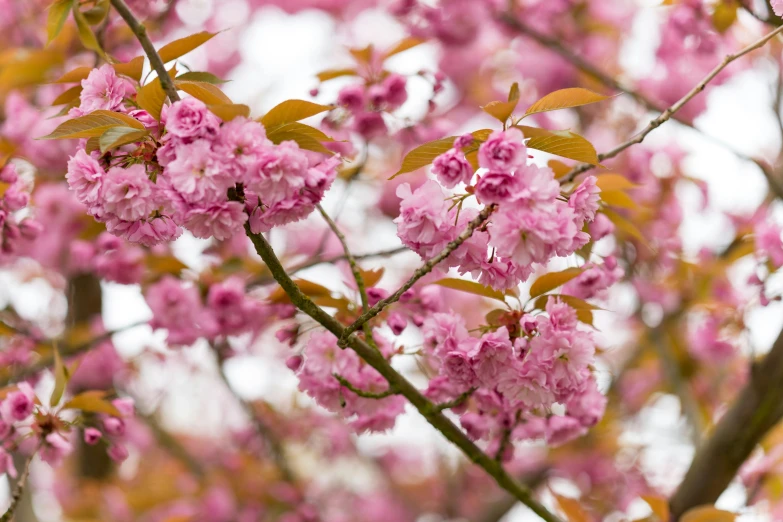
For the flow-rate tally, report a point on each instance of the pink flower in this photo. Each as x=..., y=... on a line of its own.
x=233, y=311
x=218, y=220
x=491, y=356
x=777, y=7
x=125, y=405
x=103, y=89
x=497, y=187
x=190, y=118
x=561, y=429
x=117, y=452
x=424, y=223
x=128, y=193
x=396, y=94
x=178, y=309
x=584, y=200
x=280, y=174
x=92, y=436
x=768, y=241
x=19, y=404
x=601, y=227
x=457, y=367
x=114, y=426
x=351, y=97
x=55, y=449
x=239, y=145
x=197, y=173
x=7, y=464
x=451, y=168
x=503, y=151
x=370, y=125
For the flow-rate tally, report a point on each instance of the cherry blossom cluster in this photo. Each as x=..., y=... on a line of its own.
x=26, y=424
x=366, y=102
x=518, y=373
x=225, y=310
x=146, y=193
x=14, y=197
x=533, y=222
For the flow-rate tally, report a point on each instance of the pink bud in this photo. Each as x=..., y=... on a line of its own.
x=117, y=452
x=92, y=436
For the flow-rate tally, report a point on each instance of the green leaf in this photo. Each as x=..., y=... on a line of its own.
x=560, y=143
x=68, y=96
x=97, y=14
x=94, y=402
x=60, y=379
x=565, y=98
x=85, y=32
x=552, y=280
x=58, y=13
x=617, y=198
x=119, y=136
x=625, y=226
x=205, y=77
x=93, y=124
x=330, y=74
x=75, y=75
x=425, y=154
x=612, y=181
x=290, y=111
x=403, y=45
x=471, y=287
x=502, y=110
x=308, y=138
x=180, y=47
x=206, y=92
x=151, y=98
x=131, y=69
x=229, y=111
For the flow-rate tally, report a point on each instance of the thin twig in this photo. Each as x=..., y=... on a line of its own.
x=357, y=273
x=67, y=351
x=456, y=402
x=265, y=432
x=376, y=360
x=588, y=68
x=668, y=113
x=141, y=35
x=16, y=496
x=423, y=270
x=345, y=383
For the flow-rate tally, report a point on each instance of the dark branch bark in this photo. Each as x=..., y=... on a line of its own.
x=756, y=410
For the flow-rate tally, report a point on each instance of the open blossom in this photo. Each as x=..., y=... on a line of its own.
x=503, y=151
x=128, y=193
x=584, y=200
x=190, y=118
x=103, y=89
x=85, y=177
x=280, y=174
x=197, y=173
x=177, y=308
x=19, y=404
x=424, y=223
x=451, y=168
x=218, y=220
x=54, y=449
x=777, y=7
x=768, y=241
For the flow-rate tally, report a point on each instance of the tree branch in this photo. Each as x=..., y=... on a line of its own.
x=141, y=35
x=17, y=493
x=345, y=383
x=668, y=113
x=756, y=410
x=423, y=270
x=374, y=358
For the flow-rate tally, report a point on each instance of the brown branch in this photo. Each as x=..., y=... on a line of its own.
x=588, y=68
x=668, y=113
x=396, y=381
x=16, y=496
x=758, y=407
x=141, y=35
x=68, y=351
